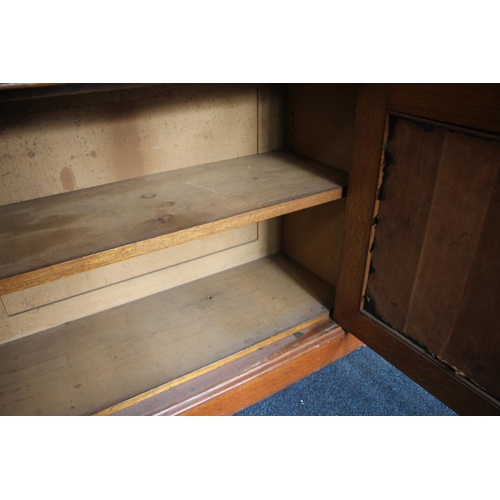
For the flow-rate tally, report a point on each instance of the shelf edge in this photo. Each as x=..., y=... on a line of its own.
x=254, y=373
x=76, y=266
x=211, y=367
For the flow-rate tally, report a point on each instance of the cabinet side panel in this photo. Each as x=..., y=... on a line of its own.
x=271, y=131
x=320, y=125
x=320, y=122
x=314, y=237
x=77, y=144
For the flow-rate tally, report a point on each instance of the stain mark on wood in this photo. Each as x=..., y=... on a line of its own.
x=68, y=179
x=164, y=219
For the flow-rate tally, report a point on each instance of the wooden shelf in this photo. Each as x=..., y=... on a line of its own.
x=48, y=238
x=21, y=91
x=252, y=377
x=88, y=365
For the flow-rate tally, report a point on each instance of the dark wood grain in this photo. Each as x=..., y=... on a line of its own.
x=436, y=198
x=402, y=218
x=22, y=91
x=439, y=376
x=455, y=391
x=369, y=130
x=48, y=238
x=470, y=105
x=249, y=379
x=474, y=344
x=467, y=172
x=321, y=121
x=320, y=126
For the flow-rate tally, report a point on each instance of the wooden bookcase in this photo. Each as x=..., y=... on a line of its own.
x=146, y=246
x=179, y=249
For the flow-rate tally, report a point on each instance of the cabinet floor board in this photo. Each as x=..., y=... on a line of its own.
x=90, y=364
x=239, y=383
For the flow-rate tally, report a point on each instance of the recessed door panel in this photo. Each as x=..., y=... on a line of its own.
x=434, y=237
x=420, y=273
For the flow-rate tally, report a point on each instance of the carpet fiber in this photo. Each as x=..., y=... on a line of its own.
x=361, y=383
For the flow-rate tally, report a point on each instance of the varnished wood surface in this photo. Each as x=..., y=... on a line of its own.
x=434, y=375
x=444, y=383
x=96, y=362
x=471, y=105
x=435, y=237
x=45, y=239
x=402, y=218
x=369, y=130
x=320, y=123
x=475, y=344
x=9, y=86
x=299, y=361
x=21, y=91
x=250, y=378
x=314, y=238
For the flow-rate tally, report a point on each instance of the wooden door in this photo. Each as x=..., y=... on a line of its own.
x=420, y=281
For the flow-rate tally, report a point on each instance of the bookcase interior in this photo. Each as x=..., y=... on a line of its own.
x=148, y=232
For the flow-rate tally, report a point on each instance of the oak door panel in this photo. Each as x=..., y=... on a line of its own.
x=420, y=274
x=436, y=195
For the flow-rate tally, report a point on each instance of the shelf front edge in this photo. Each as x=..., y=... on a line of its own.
x=89, y=262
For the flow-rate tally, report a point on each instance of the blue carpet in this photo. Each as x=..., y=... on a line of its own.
x=361, y=383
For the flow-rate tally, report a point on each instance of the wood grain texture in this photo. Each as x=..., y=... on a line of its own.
x=49, y=238
x=123, y=94
x=271, y=117
x=263, y=381
x=436, y=377
x=55, y=145
x=72, y=286
x=475, y=345
x=320, y=125
x=468, y=171
x=320, y=122
x=96, y=300
x=314, y=238
x=370, y=127
x=471, y=105
x=21, y=91
x=402, y=218
x=91, y=364
x=245, y=381
x=427, y=369
x=431, y=220
x=9, y=86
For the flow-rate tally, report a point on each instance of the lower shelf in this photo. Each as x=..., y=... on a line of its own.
x=88, y=365
x=242, y=382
